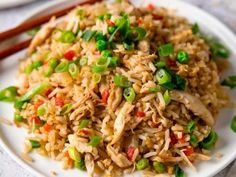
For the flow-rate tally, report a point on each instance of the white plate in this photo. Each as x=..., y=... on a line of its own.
x=13, y=3
x=12, y=137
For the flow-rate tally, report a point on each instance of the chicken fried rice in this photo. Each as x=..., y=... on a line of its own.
x=114, y=88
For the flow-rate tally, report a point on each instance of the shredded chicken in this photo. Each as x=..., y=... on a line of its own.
x=80, y=146
x=89, y=163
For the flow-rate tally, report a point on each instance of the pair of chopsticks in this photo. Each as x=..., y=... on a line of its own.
x=30, y=25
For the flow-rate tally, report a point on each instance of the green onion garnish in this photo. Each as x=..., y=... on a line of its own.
x=121, y=81
x=18, y=118
x=83, y=61
x=160, y=64
x=179, y=172
x=155, y=89
x=100, y=36
x=53, y=63
x=163, y=76
x=48, y=72
x=139, y=33
x=113, y=61
x=88, y=35
x=35, y=144
x=66, y=109
x=101, y=65
x=8, y=94
x=182, y=57
x=74, y=154
x=29, y=69
x=230, y=82
x=101, y=45
x=37, y=64
x=159, y=167
x=98, y=69
x=62, y=67
x=80, y=164
x=129, y=94
x=195, y=28
x=96, y=78
x=84, y=123
x=233, y=124
x=166, y=97
x=128, y=45
x=33, y=31
x=67, y=37
x=73, y=70
x=107, y=16
x=191, y=126
x=219, y=50
x=106, y=53
x=41, y=110
x=210, y=141
x=111, y=29
x=166, y=50
x=142, y=164
x=94, y=141
x=193, y=140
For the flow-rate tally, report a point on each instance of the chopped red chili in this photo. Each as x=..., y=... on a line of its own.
x=38, y=103
x=47, y=127
x=140, y=114
x=140, y=21
x=59, y=101
x=188, y=151
x=171, y=62
x=130, y=152
x=47, y=93
x=105, y=95
x=173, y=138
x=36, y=120
x=150, y=6
x=69, y=55
x=157, y=17
x=110, y=23
x=84, y=132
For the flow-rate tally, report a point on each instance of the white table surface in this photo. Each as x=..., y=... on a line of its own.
x=225, y=10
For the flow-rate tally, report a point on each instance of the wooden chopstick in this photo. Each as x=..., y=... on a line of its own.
x=29, y=25
x=39, y=21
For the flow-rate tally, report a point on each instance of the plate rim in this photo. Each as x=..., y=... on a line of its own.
x=35, y=12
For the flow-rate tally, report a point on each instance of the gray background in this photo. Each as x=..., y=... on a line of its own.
x=225, y=10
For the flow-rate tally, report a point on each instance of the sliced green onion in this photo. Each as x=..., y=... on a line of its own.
x=19, y=104
x=113, y=61
x=84, y=123
x=182, y=57
x=67, y=37
x=101, y=45
x=53, y=62
x=166, y=97
x=160, y=64
x=81, y=13
x=100, y=17
x=179, y=172
x=37, y=64
x=193, y=140
x=94, y=141
x=111, y=29
x=35, y=144
x=128, y=46
x=18, y=118
x=29, y=69
x=39, y=88
x=80, y=164
x=121, y=81
x=195, y=28
x=48, y=72
x=233, y=124
x=102, y=61
x=166, y=50
x=230, y=82
x=8, y=94
x=41, y=110
x=96, y=78
x=219, y=50
x=74, y=154
x=142, y=164
x=210, y=141
x=88, y=35
x=154, y=89
x=107, y=16
x=106, y=53
x=191, y=126
x=100, y=36
x=83, y=61
x=62, y=67
x=98, y=69
x=180, y=82
x=159, y=167
x=163, y=76
x=129, y=94
x=139, y=33
x=66, y=109
x=73, y=70
x=33, y=31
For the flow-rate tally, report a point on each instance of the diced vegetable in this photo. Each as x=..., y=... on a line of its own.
x=88, y=35
x=166, y=50
x=62, y=67
x=84, y=123
x=130, y=152
x=8, y=94
x=74, y=154
x=210, y=141
x=80, y=164
x=96, y=78
x=230, y=82
x=182, y=57
x=67, y=37
x=163, y=76
x=83, y=61
x=66, y=109
x=160, y=64
x=35, y=144
x=142, y=164
x=191, y=126
x=101, y=45
x=233, y=124
x=195, y=28
x=18, y=118
x=69, y=55
x=166, y=97
x=94, y=141
x=179, y=172
x=193, y=140
x=121, y=81
x=159, y=167
x=73, y=70
x=129, y=94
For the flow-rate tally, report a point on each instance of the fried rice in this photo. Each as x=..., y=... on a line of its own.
x=102, y=90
